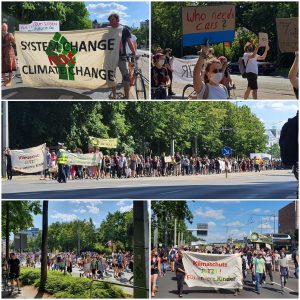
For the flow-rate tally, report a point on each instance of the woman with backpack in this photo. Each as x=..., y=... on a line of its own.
x=207, y=84
x=250, y=60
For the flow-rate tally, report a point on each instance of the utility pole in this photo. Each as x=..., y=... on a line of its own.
x=175, y=229
x=173, y=148
x=78, y=241
x=5, y=134
x=155, y=234
x=140, y=248
x=166, y=229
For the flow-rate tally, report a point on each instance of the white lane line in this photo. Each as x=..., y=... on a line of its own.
x=171, y=192
x=286, y=288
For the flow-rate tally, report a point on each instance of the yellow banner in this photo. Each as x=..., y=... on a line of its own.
x=103, y=143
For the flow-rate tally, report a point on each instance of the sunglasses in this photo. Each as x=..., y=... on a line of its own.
x=217, y=71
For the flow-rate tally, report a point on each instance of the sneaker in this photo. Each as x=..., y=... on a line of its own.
x=19, y=291
x=272, y=283
x=235, y=293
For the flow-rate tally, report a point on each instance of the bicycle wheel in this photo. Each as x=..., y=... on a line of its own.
x=187, y=90
x=140, y=87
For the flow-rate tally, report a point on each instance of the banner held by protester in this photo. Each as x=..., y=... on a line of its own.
x=103, y=143
x=183, y=70
x=89, y=159
x=213, y=270
x=30, y=160
x=83, y=59
x=208, y=24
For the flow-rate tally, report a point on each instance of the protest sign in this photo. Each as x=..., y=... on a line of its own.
x=84, y=59
x=213, y=270
x=212, y=24
x=30, y=160
x=183, y=70
x=104, y=143
x=263, y=39
x=89, y=159
x=168, y=159
x=40, y=26
x=287, y=34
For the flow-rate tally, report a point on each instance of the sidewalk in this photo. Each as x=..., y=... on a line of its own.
x=27, y=292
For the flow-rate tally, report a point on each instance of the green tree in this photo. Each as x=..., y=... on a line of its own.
x=44, y=247
x=274, y=150
x=17, y=216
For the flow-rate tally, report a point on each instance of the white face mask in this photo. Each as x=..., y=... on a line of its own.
x=216, y=77
x=161, y=63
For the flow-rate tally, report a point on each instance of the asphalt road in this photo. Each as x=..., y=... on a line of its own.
x=167, y=288
x=279, y=184
x=18, y=90
x=269, y=88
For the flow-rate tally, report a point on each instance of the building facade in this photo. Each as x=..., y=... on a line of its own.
x=288, y=218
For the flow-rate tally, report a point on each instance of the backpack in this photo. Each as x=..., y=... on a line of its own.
x=288, y=142
x=242, y=66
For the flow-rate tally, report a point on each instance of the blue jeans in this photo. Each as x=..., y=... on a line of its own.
x=164, y=267
x=258, y=279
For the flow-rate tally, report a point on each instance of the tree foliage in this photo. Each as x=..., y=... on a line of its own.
x=251, y=18
x=145, y=127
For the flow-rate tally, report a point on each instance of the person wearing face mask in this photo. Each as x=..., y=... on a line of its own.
x=114, y=20
x=9, y=63
x=160, y=79
x=250, y=58
x=207, y=82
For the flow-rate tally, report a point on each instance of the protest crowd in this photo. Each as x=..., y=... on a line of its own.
x=256, y=265
x=120, y=165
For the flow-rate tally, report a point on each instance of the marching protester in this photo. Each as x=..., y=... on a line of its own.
x=62, y=161
x=9, y=63
x=155, y=271
x=283, y=269
x=250, y=60
x=180, y=273
x=14, y=270
x=168, y=61
x=7, y=154
x=114, y=21
x=207, y=83
x=293, y=75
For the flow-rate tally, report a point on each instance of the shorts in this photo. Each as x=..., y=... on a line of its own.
x=93, y=271
x=123, y=66
x=252, y=80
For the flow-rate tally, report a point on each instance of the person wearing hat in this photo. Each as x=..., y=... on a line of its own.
x=62, y=161
x=259, y=270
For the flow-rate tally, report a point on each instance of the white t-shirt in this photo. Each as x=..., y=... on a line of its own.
x=216, y=92
x=133, y=40
x=268, y=259
x=251, y=65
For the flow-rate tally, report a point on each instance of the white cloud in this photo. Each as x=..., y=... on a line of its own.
x=256, y=210
x=105, y=9
x=93, y=209
x=276, y=106
x=236, y=233
x=265, y=226
x=64, y=217
x=87, y=201
x=125, y=208
x=212, y=224
x=80, y=210
x=216, y=214
x=233, y=224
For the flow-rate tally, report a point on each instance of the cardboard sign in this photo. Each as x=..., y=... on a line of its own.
x=208, y=24
x=40, y=26
x=263, y=39
x=168, y=159
x=83, y=59
x=103, y=143
x=213, y=270
x=183, y=70
x=30, y=160
x=287, y=34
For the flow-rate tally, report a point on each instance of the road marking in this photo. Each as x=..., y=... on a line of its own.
x=171, y=192
x=286, y=288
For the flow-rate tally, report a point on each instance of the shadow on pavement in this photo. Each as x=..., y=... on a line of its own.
x=38, y=93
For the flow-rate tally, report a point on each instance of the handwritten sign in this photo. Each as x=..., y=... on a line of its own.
x=213, y=24
x=40, y=26
x=263, y=39
x=287, y=34
x=183, y=70
x=103, y=143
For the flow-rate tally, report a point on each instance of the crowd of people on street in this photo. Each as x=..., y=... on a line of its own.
x=120, y=165
x=256, y=265
x=90, y=264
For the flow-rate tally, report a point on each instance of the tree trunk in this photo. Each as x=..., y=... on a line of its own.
x=7, y=230
x=44, y=247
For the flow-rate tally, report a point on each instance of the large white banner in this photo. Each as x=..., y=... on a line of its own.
x=213, y=270
x=83, y=59
x=183, y=70
x=30, y=160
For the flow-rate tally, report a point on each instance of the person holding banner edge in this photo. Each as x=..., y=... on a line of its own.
x=250, y=58
x=180, y=273
x=114, y=20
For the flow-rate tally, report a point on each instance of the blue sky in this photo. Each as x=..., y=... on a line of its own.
x=235, y=218
x=64, y=211
x=272, y=113
x=131, y=13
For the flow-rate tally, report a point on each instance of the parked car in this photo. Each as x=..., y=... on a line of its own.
x=264, y=68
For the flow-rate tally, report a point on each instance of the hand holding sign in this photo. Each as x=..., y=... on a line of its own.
x=263, y=39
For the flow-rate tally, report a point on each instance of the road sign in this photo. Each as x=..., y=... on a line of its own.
x=202, y=229
x=226, y=151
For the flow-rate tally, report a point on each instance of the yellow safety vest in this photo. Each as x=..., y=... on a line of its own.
x=62, y=158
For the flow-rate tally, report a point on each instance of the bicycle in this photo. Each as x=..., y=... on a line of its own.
x=187, y=91
x=159, y=92
x=137, y=79
x=7, y=285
